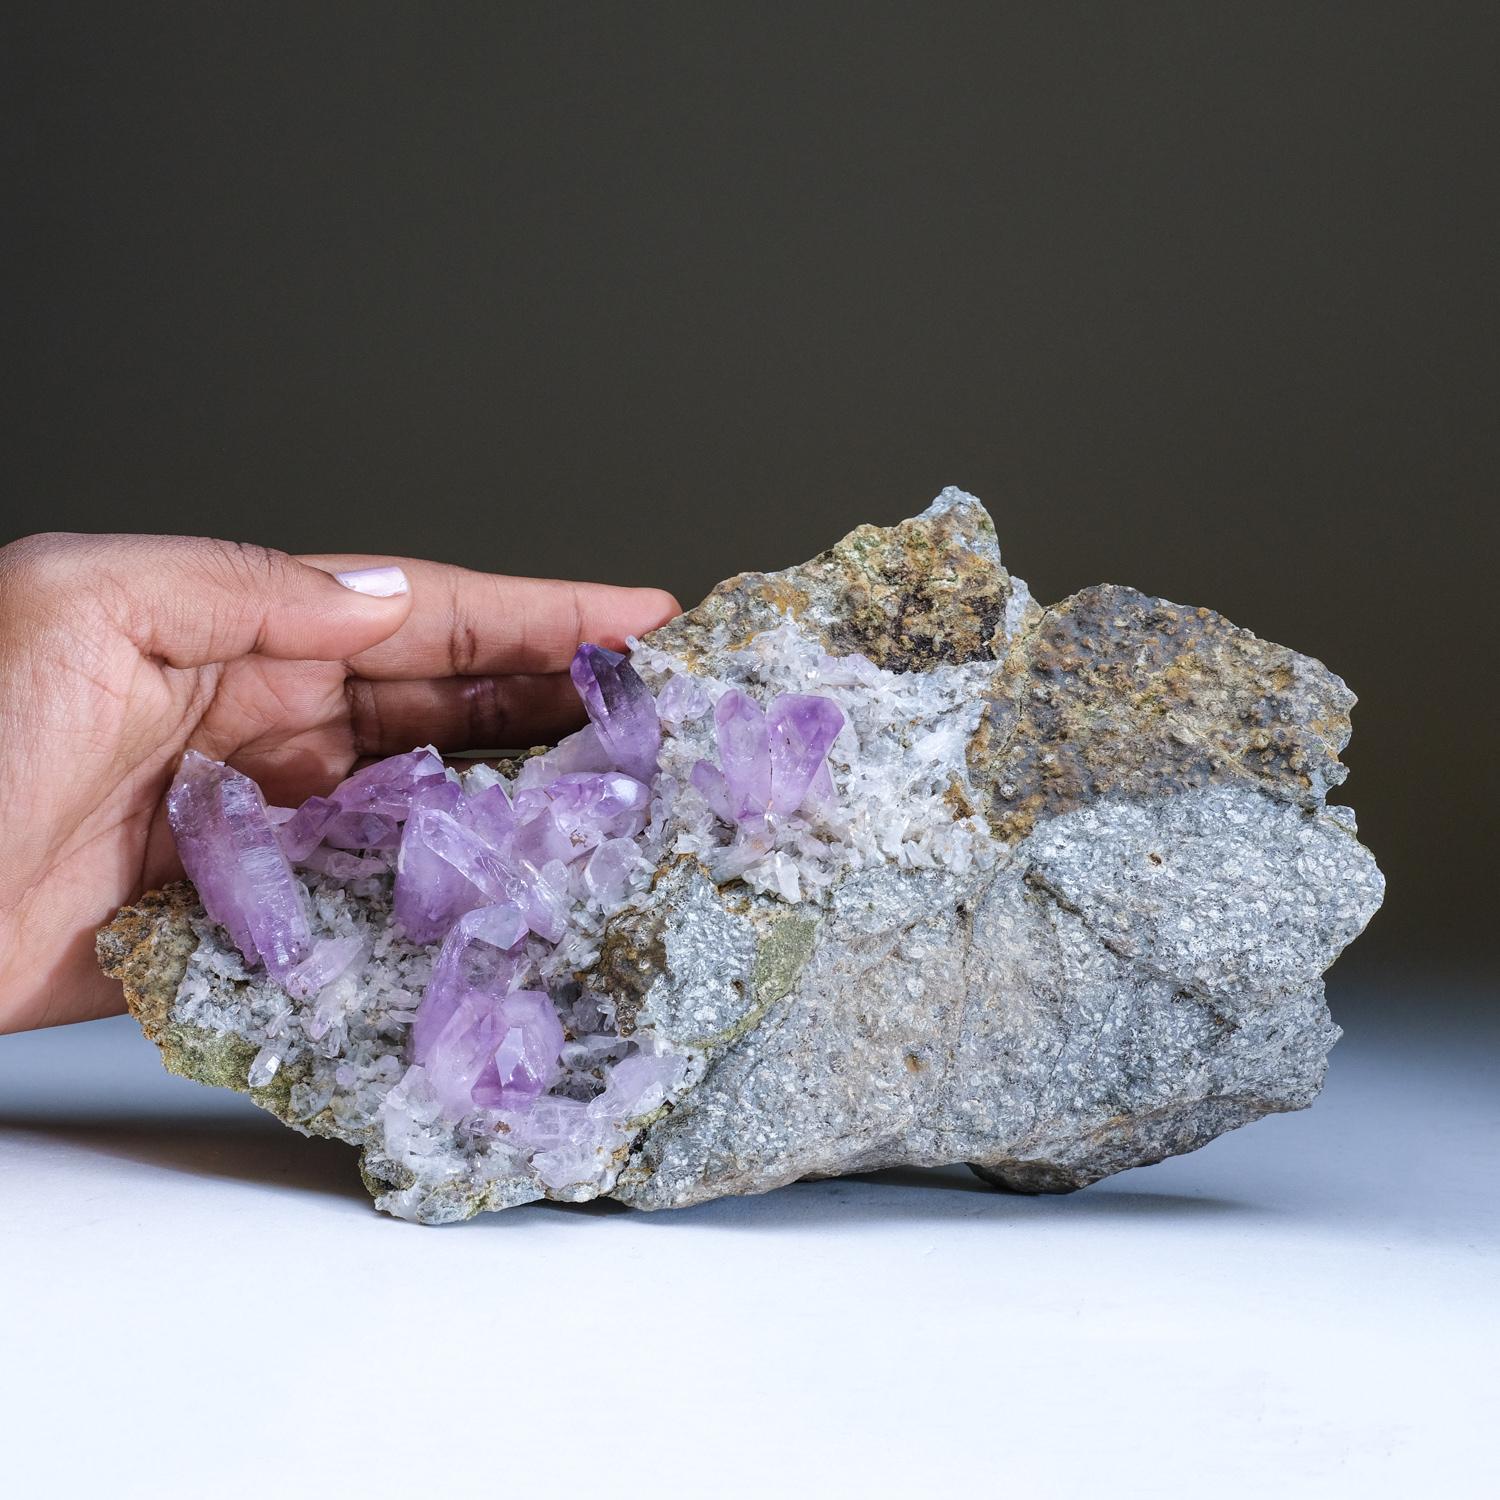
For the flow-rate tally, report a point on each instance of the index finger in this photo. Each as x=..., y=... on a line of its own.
x=468, y=624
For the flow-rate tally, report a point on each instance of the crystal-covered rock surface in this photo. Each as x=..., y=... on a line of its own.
x=868, y=862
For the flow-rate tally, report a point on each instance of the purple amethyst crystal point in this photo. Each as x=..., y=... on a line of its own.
x=621, y=709
x=462, y=1052
x=590, y=806
x=524, y=1064
x=538, y=839
x=606, y=877
x=459, y=846
x=802, y=729
x=203, y=844
x=583, y=751
x=301, y=831
x=327, y=960
x=637, y=1085
x=387, y=787
x=744, y=752
x=770, y=762
x=709, y=780
x=546, y=900
x=429, y=892
x=493, y=1050
x=481, y=953
x=362, y=830
x=490, y=815
x=231, y=853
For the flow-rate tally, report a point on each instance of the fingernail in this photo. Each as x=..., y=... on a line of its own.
x=381, y=583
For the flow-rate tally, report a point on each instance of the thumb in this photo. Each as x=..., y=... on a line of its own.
x=189, y=601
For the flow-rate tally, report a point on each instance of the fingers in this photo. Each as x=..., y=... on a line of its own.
x=193, y=600
x=189, y=601
x=462, y=713
x=465, y=624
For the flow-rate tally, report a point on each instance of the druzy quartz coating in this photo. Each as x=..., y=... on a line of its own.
x=870, y=862
x=493, y=873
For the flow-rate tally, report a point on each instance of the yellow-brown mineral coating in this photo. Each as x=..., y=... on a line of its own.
x=909, y=596
x=147, y=947
x=1112, y=691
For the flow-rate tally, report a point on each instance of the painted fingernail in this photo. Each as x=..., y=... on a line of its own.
x=381, y=583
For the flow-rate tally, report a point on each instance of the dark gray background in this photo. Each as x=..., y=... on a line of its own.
x=1197, y=298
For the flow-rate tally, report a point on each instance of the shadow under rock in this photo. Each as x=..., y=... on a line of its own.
x=261, y=1152
x=902, y=1194
x=204, y=1145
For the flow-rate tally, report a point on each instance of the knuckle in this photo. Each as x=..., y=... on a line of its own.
x=577, y=624
x=240, y=565
x=362, y=707
x=43, y=564
x=486, y=722
x=463, y=639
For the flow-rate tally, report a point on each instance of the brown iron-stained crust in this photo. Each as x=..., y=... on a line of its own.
x=1112, y=691
x=928, y=590
x=147, y=947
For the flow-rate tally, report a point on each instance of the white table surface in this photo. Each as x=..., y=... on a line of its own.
x=195, y=1301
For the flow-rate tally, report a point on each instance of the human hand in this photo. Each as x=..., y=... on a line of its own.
x=119, y=652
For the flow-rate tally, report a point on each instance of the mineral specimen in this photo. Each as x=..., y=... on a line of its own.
x=869, y=862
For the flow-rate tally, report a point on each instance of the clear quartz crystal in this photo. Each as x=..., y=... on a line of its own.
x=308, y=1099
x=683, y=699
x=263, y=1067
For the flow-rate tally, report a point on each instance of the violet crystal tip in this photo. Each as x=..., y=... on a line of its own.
x=620, y=707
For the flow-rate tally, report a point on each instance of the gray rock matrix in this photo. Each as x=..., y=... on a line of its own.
x=1125, y=962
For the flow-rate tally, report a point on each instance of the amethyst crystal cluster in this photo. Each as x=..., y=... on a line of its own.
x=508, y=880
